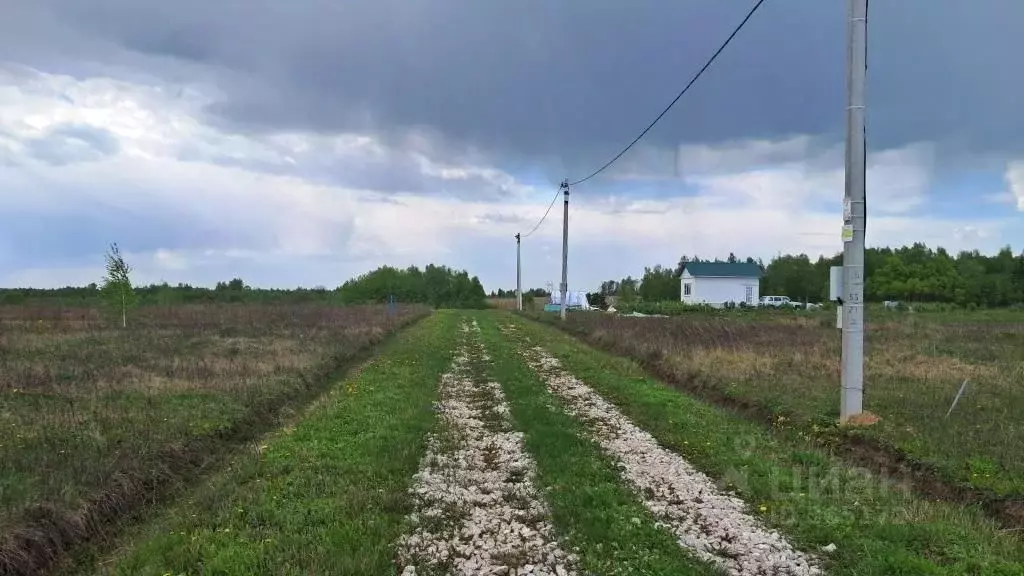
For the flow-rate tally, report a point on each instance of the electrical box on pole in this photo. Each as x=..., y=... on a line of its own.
x=835, y=283
x=835, y=292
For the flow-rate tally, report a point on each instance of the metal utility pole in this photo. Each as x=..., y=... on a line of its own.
x=519, y=276
x=854, y=215
x=564, y=287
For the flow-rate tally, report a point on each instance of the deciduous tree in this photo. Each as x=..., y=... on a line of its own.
x=117, y=284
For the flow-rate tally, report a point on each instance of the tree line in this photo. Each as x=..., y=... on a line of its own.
x=913, y=273
x=234, y=290
x=438, y=286
x=531, y=293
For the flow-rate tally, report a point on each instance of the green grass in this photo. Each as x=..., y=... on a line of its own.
x=327, y=496
x=63, y=462
x=878, y=526
x=600, y=519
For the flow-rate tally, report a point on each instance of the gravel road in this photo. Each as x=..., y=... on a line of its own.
x=477, y=510
x=711, y=523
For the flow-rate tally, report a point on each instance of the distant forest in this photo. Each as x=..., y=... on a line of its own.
x=914, y=273
x=437, y=286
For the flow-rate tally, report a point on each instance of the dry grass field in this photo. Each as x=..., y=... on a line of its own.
x=787, y=366
x=95, y=419
x=529, y=303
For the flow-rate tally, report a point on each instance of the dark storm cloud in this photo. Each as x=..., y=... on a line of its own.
x=574, y=80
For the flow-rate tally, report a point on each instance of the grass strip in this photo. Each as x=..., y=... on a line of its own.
x=601, y=520
x=327, y=496
x=878, y=526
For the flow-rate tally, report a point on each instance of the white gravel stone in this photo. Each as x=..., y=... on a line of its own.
x=711, y=523
x=477, y=510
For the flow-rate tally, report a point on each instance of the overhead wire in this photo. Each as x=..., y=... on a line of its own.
x=676, y=99
x=643, y=133
x=546, y=212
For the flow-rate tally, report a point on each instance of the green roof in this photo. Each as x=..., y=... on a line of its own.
x=723, y=269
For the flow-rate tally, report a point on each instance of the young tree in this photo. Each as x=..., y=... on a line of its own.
x=658, y=284
x=609, y=288
x=627, y=290
x=117, y=284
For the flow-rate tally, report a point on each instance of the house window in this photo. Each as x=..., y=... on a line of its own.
x=750, y=295
x=687, y=289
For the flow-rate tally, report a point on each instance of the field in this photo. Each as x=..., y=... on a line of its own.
x=485, y=442
x=529, y=303
x=785, y=366
x=97, y=419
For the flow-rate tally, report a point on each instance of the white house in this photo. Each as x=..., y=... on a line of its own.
x=716, y=283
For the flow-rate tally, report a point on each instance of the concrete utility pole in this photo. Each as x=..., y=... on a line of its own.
x=519, y=275
x=564, y=287
x=854, y=215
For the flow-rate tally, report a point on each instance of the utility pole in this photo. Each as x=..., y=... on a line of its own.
x=519, y=276
x=854, y=215
x=565, y=249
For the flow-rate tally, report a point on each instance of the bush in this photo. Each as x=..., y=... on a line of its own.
x=667, y=308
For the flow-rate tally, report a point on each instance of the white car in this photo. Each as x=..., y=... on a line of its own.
x=776, y=301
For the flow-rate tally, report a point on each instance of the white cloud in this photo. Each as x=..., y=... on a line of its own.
x=1015, y=181
x=793, y=173
x=173, y=260
x=898, y=180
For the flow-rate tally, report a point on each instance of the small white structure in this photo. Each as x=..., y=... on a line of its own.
x=574, y=299
x=715, y=283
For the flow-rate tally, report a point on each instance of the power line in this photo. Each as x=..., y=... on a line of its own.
x=676, y=99
x=546, y=212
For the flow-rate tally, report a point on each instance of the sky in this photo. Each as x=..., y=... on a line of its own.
x=302, y=143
